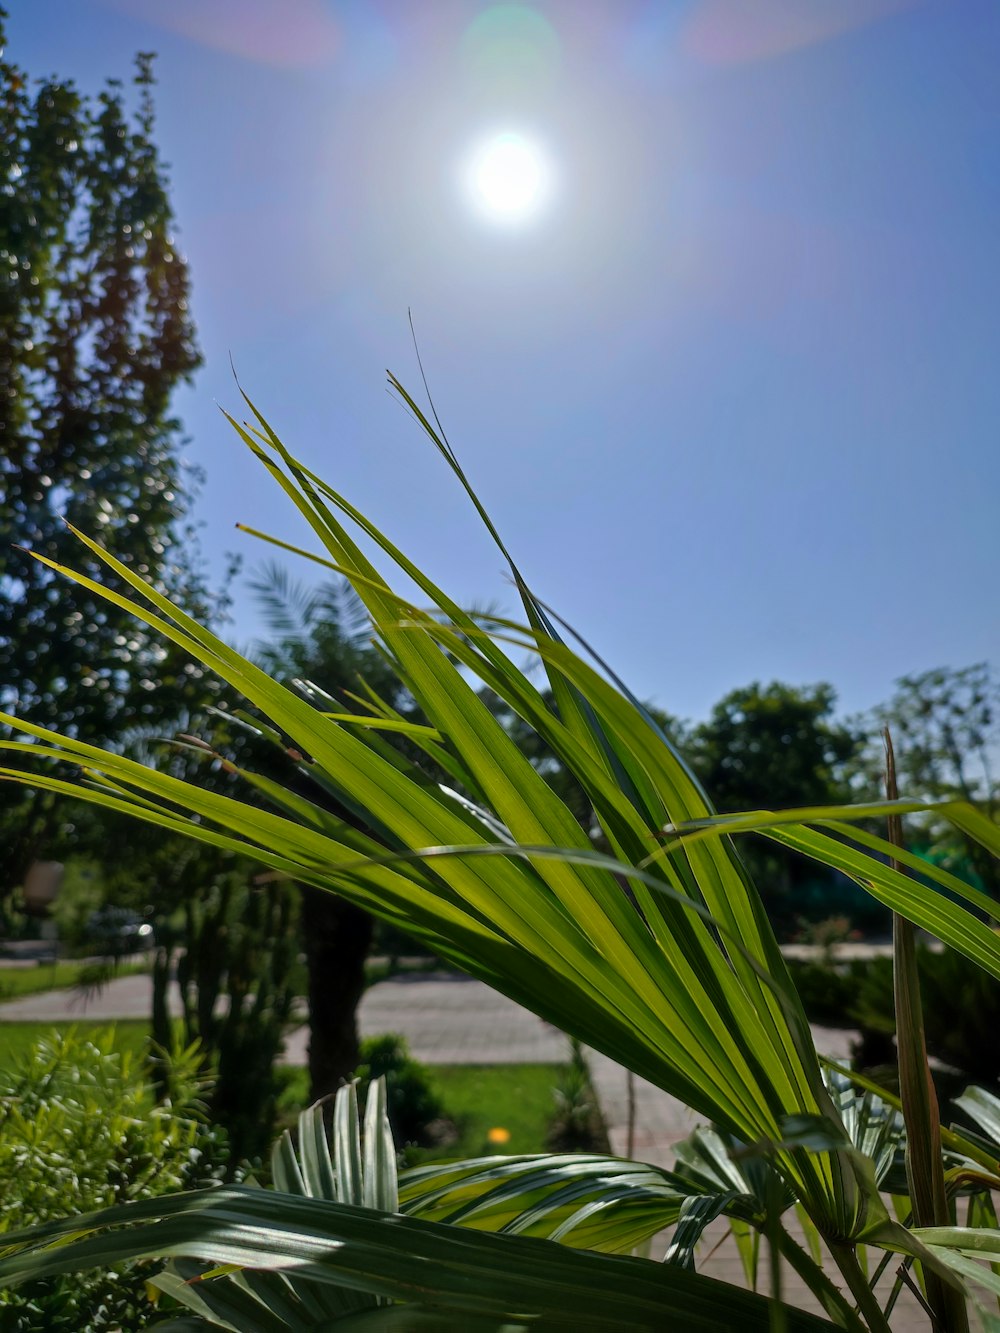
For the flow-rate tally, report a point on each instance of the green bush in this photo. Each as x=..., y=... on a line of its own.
x=413, y=1104
x=827, y=992
x=577, y=1124
x=82, y=893
x=961, y=1012
x=80, y=1129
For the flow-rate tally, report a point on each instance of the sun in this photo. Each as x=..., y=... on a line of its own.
x=509, y=179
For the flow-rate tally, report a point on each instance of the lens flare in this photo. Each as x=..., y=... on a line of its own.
x=510, y=49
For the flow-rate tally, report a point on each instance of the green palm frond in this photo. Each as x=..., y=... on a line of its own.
x=658, y=952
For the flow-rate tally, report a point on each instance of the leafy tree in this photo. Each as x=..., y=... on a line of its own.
x=945, y=726
x=95, y=334
x=772, y=747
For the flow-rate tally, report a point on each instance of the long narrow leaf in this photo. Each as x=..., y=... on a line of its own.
x=510, y=1278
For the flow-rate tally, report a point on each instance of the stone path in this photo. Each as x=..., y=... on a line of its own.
x=449, y=1019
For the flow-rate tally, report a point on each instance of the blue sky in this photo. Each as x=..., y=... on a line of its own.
x=732, y=397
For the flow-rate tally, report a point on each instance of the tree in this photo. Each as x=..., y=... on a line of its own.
x=95, y=334
x=773, y=747
x=945, y=727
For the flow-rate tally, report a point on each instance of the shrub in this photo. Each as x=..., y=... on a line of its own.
x=413, y=1105
x=80, y=1129
x=961, y=1012
x=827, y=992
x=577, y=1124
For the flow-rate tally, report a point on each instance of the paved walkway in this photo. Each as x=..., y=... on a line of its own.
x=450, y=1019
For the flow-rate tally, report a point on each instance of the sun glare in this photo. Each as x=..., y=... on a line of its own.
x=509, y=179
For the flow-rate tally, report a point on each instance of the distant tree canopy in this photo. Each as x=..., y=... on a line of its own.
x=775, y=747
x=945, y=726
x=772, y=747
x=95, y=335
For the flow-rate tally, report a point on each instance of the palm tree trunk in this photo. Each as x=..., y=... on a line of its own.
x=337, y=937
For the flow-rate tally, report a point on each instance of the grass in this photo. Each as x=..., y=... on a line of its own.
x=16, y=1039
x=16, y=982
x=478, y=1098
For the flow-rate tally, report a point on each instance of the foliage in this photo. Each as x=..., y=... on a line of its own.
x=95, y=335
x=411, y=1101
x=946, y=728
x=962, y=1011
x=81, y=893
x=577, y=1125
x=341, y=1167
x=680, y=977
x=80, y=1129
x=774, y=746
x=233, y=973
x=827, y=991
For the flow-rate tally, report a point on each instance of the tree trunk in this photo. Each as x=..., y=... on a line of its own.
x=337, y=937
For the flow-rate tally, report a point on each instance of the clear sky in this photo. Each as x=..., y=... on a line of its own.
x=731, y=392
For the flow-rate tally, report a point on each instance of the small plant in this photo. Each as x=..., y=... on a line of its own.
x=413, y=1105
x=342, y=1166
x=577, y=1124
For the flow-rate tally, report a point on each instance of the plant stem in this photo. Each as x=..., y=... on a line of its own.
x=845, y=1254
x=924, y=1161
x=825, y=1291
x=630, y=1087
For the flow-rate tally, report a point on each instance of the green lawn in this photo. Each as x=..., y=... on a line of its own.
x=17, y=1038
x=478, y=1098
x=18, y=981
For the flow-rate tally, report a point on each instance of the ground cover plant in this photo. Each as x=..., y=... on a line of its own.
x=655, y=950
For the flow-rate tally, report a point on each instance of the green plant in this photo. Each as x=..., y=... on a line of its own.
x=577, y=1124
x=341, y=1167
x=80, y=1129
x=962, y=1011
x=233, y=959
x=827, y=992
x=657, y=951
x=411, y=1101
